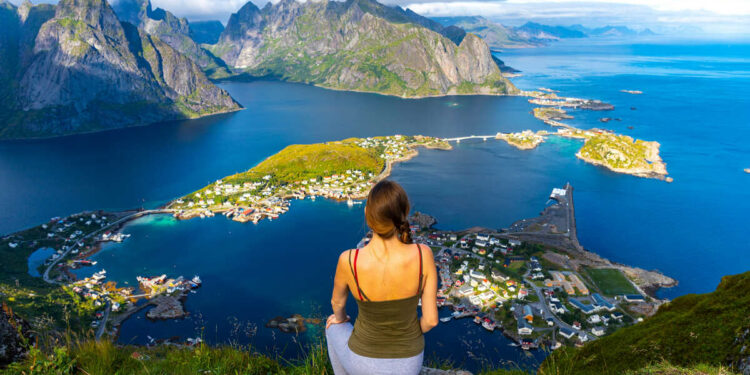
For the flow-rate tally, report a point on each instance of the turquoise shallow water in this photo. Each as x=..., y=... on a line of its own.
x=695, y=103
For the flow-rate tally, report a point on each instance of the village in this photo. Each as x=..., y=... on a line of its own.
x=268, y=197
x=513, y=286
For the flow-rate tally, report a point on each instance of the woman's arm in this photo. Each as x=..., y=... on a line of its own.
x=429, y=295
x=340, y=292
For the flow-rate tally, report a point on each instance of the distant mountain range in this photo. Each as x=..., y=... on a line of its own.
x=358, y=45
x=75, y=67
x=532, y=34
x=83, y=65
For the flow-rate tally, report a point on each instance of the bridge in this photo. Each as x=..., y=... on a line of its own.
x=459, y=139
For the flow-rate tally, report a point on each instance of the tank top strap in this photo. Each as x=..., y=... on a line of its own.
x=421, y=276
x=362, y=295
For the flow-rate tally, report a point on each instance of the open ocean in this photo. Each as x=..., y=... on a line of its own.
x=696, y=103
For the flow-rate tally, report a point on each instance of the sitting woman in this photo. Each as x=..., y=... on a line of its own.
x=387, y=279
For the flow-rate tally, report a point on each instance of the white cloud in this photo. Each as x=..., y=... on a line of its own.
x=201, y=9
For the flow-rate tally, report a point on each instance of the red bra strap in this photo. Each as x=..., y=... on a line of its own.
x=356, y=280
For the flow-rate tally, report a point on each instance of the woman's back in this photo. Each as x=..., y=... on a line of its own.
x=387, y=325
x=386, y=275
x=387, y=279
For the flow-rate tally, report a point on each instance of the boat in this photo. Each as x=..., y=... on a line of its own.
x=477, y=320
x=446, y=319
x=349, y=202
x=488, y=324
x=197, y=280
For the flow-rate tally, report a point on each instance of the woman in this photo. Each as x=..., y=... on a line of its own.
x=387, y=278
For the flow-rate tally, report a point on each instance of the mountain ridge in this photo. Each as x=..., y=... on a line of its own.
x=358, y=45
x=87, y=71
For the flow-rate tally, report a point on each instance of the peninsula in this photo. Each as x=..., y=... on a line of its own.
x=535, y=282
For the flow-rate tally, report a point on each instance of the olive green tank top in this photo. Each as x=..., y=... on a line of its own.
x=386, y=329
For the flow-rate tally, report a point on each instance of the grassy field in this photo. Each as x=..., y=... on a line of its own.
x=611, y=282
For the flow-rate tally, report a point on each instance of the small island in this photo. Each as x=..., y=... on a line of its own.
x=524, y=140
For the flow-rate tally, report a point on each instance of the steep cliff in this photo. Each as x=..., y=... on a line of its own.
x=81, y=69
x=358, y=45
x=173, y=31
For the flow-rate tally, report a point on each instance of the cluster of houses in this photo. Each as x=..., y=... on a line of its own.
x=93, y=289
x=266, y=198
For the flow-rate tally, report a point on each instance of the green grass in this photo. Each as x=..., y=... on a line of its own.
x=298, y=162
x=709, y=329
x=610, y=281
x=105, y=358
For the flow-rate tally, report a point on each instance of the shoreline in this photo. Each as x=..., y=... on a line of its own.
x=139, y=125
x=552, y=236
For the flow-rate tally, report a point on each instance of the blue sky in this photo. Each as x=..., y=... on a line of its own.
x=711, y=16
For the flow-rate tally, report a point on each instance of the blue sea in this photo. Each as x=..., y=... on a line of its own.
x=695, y=102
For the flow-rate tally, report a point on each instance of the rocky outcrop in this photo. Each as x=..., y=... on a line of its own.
x=81, y=69
x=358, y=45
x=15, y=334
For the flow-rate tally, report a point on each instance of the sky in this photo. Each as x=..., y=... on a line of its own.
x=662, y=16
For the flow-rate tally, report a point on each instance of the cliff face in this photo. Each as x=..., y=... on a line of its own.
x=358, y=45
x=15, y=335
x=162, y=24
x=81, y=69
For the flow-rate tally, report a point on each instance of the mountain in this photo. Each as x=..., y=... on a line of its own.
x=80, y=69
x=710, y=329
x=538, y=32
x=358, y=45
x=611, y=31
x=168, y=28
x=206, y=32
x=494, y=34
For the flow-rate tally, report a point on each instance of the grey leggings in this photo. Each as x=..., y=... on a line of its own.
x=346, y=362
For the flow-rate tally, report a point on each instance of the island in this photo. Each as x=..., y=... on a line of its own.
x=524, y=140
x=618, y=153
x=342, y=170
x=534, y=281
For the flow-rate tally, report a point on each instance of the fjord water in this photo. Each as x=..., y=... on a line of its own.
x=695, y=103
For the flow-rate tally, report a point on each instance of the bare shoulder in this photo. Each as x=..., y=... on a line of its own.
x=426, y=252
x=344, y=256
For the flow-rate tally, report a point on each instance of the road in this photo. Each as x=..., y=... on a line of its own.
x=103, y=322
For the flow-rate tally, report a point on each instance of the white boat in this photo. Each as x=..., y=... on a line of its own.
x=446, y=319
x=349, y=202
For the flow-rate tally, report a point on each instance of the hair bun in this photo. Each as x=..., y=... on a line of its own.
x=405, y=232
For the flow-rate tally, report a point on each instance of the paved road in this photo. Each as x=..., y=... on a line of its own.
x=103, y=323
x=537, y=290
x=548, y=312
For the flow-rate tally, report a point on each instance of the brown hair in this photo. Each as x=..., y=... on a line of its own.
x=387, y=211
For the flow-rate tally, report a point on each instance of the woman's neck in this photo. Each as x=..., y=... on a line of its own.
x=381, y=247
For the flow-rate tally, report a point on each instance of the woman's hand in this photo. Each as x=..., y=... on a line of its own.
x=333, y=320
